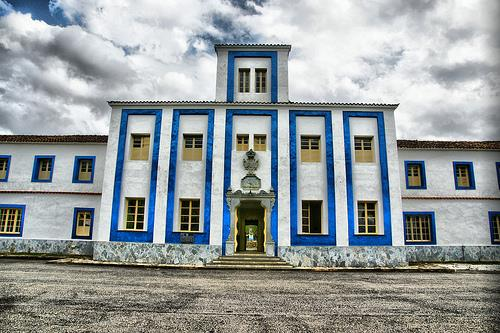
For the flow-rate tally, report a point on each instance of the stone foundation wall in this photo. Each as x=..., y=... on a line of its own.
x=384, y=256
x=180, y=254
x=45, y=246
x=300, y=256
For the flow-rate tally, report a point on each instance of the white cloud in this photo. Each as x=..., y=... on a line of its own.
x=439, y=59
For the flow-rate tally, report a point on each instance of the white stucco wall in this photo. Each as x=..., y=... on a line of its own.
x=393, y=174
x=136, y=173
x=221, y=77
x=252, y=64
x=439, y=172
x=190, y=175
x=458, y=221
x=340, y=178
x=22, y=160
x=103, y=227
x=367, y=185
x=50, y=215
x=283, y=189
x=311, y=176
x=218, y=202
x=251, y=125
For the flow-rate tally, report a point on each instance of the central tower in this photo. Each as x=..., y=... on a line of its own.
x=252, y=73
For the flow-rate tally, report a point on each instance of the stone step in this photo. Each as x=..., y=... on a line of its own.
x=266, y=267
x=249, y=262
x=239, y=258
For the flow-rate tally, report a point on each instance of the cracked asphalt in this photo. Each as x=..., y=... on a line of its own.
x=36, y=296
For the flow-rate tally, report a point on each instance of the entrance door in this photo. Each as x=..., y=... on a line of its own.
x=250, y=227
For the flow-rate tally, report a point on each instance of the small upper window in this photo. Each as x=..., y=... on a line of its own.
x=190, y=215
x=134, y=214
x=242, y=142
x=367, y=217
x=4, y=168
x=415, y=175
x=84, y=169
x=10, y=221
x=244, y=80
x=363, y=149
x=311, y=217
x=259, y=142
x=139, y=147
x=310, y=150
x=464, y=176
x=43, y=168
x=260, y=80
x=193, y=147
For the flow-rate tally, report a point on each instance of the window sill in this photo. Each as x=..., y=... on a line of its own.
x=131, y=230
x=369, y=234
x=419, y=243
x=188, y=232
x=311, y=234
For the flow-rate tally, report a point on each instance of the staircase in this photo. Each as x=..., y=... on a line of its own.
x=249, y=261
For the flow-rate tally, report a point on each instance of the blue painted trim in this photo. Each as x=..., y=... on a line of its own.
x=433, y=227
x=36, y=165
x=227, y=168
x=6, y=178
x=354, y=239
x=471, y=175
x=135, y=236
x=231, y=55
x=423, y=179
x=295, y=237
x=75, y=215
x=490, y=218
x=21, y=226
x=497, y=164
x=76, y=169
x=172, y=236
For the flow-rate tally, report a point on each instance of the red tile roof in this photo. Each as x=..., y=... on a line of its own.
x=54, y=139
x=449, y=145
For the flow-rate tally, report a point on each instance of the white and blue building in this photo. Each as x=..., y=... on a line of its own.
x=184, y=182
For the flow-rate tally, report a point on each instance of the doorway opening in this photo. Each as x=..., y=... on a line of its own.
x=250, y=227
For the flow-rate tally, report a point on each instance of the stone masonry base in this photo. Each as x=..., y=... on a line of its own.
x=299, y=256
x=384, y=256
x=181, y=254
x=45, y=246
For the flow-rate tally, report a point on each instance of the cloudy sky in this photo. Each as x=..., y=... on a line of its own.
x=61, y=60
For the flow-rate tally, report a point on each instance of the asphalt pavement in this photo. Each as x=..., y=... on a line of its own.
x=37, y=296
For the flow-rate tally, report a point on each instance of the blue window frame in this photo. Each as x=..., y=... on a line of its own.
x=4, y=167
x=40, y=160
x=410, y=168
x=458, y=172
x=494, y=218
x=498, y=173
x=76, y=169
x=11, y=225
x=420, y=228
x=83, y=220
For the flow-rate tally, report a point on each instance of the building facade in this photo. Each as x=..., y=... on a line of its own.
x=318, y=184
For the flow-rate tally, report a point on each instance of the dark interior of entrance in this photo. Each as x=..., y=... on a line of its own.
x=250, y=227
